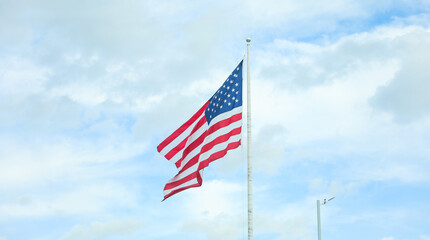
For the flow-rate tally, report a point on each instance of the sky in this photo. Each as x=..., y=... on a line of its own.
x=340, y=107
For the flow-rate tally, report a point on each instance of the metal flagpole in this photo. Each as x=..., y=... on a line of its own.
x=248, y=101
x=319, y=219
x=319, y=214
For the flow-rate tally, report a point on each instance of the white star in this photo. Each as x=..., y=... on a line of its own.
x=225, y=100
x=229, y=103
x=233, y=98
x=237, y=92
x=237, y=100
x=221, y=106
x=231, y=81
x=228, y=95
x=223, y=86
x=232, y=89
x=237, y=84
x=228, y=88
x=235, y=75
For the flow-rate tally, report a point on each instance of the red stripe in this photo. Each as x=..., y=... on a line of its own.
x=196, y=142
x=189, y=147
x=206, y=147
x=218, y=155
x=180, y=190
x=176, y=149
x=181, y=129
x=180, y=181
x=196, y=174
x=182, y=144
x=190, y=163
x=225, y=122
x=221, y=139
x=198, y=184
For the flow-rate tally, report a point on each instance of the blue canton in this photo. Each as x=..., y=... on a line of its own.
x=228, y=96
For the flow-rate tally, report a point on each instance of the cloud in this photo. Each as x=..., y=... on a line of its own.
x=21, y=77
x=425, y=237
x=215, y=209
x=334, y=187
x=328, y=101
x=33, y=163
x=268, y=149
x=103, y=230
x=89, y=89
x=405, y=96
x=215, y=198
x=69, y=200
x=222, y=227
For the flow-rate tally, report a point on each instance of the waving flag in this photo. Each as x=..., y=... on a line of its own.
x=207, y=136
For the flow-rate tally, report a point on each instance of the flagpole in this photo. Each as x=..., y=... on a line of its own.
x=248, y=109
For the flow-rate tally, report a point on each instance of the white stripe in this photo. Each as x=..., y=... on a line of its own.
x=204, y=156
x=185, y=184
x=208, y=138
x=190, y=155
x=185, y=173
x=219, y=147
x=185, y=134
x=192, y=138
x=196, y=150
x=222, y=131
x=225, y=115
x=181, y=137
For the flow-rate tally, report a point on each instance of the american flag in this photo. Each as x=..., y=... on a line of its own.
x=207, y=136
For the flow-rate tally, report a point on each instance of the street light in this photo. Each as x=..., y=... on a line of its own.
x=318, y=214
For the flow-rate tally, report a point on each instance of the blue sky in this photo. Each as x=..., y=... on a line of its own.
x=339, y=102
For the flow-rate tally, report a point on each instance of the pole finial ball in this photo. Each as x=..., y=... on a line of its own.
x=248, y=40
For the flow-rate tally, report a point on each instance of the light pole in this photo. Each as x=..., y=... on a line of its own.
x=318, y=215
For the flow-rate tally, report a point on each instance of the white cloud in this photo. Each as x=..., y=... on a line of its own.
x=103, y=230
x=83, y=200
x=425, y=237
x=86, y=88
x=277, y=12
x=331, y=94
x=65, y=176
x=215, y=209
x=25, y=165
x=333, y=188
x=215, y=198
x=21, y=77
x=218, y=210
x=221, y=227
x=405, y=97
x=387, y=238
